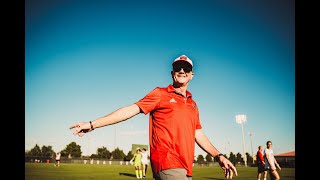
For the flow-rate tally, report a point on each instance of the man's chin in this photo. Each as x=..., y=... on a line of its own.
x=181, y=83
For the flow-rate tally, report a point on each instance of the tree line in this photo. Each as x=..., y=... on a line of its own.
x=73, y=150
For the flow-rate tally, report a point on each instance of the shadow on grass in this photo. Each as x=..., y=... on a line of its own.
x=213, y=178
x=127, y=174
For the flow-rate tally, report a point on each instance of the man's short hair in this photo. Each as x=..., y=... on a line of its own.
x=268, y=142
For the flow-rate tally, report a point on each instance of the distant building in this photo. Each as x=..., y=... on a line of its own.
x=287, y=159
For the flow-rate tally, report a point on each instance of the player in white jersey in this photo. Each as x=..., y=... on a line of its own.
x=271, y=162
x=144, y=161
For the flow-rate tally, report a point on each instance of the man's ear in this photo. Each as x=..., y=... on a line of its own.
x=192, y=75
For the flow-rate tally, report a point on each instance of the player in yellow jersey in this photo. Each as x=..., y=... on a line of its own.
x=137, y=163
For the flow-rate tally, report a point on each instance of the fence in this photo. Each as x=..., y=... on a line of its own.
x=42, y=159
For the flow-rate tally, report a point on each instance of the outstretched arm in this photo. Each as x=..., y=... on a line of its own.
x=117, y=116
x=206, y=145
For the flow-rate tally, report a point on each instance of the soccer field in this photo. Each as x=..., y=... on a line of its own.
x=43, y=171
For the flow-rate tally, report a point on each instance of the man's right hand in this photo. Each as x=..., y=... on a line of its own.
x=228, y=167
x=81, y=128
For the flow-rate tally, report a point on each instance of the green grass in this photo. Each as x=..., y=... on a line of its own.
x=43, y=171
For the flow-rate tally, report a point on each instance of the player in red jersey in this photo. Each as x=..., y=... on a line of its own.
x=260, y=164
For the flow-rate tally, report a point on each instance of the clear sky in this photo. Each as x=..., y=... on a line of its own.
x=87, y=58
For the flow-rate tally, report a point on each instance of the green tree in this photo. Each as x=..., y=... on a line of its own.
x=249, y=158
x=208, y=157
x=200, y=159
x=72, y=149
x=118, y=154
x=47, y=151
x=239, y=158
x=129, y=156
x=103, y=153
x=94, y=156
x=232, y=158
x=35, y=151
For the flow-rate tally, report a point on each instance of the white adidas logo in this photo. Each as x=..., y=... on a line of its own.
x=172, y=100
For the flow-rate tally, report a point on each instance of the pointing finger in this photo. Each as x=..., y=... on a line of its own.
x=73, y=126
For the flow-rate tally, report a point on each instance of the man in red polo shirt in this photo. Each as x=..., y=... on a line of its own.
x=174, y=126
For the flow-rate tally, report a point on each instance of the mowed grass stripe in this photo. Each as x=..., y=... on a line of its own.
x=43, y=171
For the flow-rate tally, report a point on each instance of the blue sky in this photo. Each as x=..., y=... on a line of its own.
x=85, y=59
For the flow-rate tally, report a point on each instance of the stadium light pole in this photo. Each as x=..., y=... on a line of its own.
x=115, y=137
x=88, y=148
x=229, y=149
x=240, y=119
x=250, y=134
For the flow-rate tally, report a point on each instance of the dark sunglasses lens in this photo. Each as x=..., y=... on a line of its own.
x=186, y=69
x=176, y=69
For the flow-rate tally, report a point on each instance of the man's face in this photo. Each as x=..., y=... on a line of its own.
x=182, y=72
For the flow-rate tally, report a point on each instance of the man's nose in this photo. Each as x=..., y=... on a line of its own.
x=181, y=70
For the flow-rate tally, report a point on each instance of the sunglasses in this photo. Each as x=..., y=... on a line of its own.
x=185, y=68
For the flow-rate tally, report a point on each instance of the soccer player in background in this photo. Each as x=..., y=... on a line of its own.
x=271, y=162
x=58, y=156
x=260, y=164
x=137, y=163
x=144, y=161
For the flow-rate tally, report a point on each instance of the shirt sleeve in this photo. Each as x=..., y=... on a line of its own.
x=150, y=101
x=267, y=152
x=260, y=156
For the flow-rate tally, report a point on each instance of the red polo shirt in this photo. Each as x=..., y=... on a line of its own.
x=172, y=124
